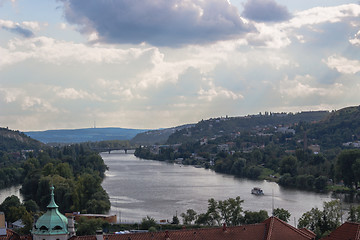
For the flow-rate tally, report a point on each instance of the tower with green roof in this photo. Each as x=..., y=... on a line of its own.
x=52, y=225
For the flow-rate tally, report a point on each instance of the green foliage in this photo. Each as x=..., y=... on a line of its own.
x=227, y=211
x=31, y=206
x=354, y=214
x=175, y=220
x=288, y=165
x=85, y=226
x=255, y=217
x=348, y=167
x=322, y=222
x=14, y=211
x=76, y=173
x=189, y=216
x=147, y=223
x=12, y=201
x=282, y=214
x=16, y=141
x=230, y=211
x=320, y=183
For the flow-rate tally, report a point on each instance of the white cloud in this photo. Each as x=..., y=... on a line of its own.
x=320, y=15
x=20, y=29
x=38, y=105
x=306, y=86
x=343, y=65
x=118, y=88
x=11, y=94
x=356, y=40
x=73, y=94
x=63, y=26
x=35, y=26
x=278, y=35
x=270, y=36
x=59, y=52
x=211, y=92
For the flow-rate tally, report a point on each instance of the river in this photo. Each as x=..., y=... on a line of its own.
x=138, y=188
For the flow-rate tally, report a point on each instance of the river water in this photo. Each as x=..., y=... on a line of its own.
x=140, y=188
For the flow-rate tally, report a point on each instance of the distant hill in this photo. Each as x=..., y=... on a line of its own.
x=338, y=127
x=216, y=127
x=159, y=136
x=84, y=135
x=14, y=141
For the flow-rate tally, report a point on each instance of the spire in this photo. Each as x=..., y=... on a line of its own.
x=52, y=203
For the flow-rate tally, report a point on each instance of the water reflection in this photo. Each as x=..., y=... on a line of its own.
x=138, y=188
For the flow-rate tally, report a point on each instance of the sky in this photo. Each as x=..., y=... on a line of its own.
x=149, y=64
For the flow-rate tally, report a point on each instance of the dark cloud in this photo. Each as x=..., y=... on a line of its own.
x=265, y=11
x=160, y=22
x=21, y=31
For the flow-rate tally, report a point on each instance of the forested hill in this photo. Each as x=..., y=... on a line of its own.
x=14, y=141
x=159, y=136
x=231, y=126
x=339, y=127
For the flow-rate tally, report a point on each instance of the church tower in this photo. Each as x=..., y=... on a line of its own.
x=53, y=225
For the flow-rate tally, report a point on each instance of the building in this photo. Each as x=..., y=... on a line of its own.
x=271, y=229
x=348, y=231
x=53, y=225
x=2, y=224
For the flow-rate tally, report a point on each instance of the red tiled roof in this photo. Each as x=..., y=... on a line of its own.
x=249, y=232
x=347, y=231
x=10, y=234
x=92, y=237
x=278, y=229
x=308, y=232
x=271, y=229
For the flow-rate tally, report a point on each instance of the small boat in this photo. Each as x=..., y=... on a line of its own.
x=257, y=191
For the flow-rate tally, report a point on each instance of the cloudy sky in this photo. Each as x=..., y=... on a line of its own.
x=162, y=63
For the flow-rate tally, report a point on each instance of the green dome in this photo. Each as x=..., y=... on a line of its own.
x=52, y=222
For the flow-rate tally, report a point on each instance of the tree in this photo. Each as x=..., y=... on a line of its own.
x=354, y=214
x=10, y=202
x=212, y=213
x=255, y=217
x=238, y=167
x=175, y=220
x=322, y=222
x=189, y=216
x=347, y=166
x=230, y=211
x=321, y=183
x=288, y=165
x=85, y=226
x=332, y=214
x=147, y=223
x=312, y=221
x=282, y=214
x=31, y=206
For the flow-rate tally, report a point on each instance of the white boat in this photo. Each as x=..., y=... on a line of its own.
x=257, y=191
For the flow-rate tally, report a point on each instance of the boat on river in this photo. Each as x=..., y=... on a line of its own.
x=257, y=191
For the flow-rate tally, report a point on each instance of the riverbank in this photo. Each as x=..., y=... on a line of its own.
x=139, y=187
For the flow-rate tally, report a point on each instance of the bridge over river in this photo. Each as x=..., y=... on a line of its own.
x=128, y=150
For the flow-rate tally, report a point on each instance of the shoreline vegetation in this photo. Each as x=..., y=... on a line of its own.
x=286, y=176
